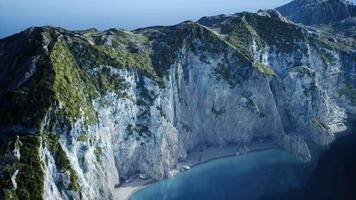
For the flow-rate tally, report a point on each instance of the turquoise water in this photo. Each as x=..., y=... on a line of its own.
x=268, y=175
x=245, y=177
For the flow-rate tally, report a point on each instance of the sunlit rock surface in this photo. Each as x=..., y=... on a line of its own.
x=92, y=109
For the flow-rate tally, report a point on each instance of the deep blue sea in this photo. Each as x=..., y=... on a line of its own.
x=267, y=175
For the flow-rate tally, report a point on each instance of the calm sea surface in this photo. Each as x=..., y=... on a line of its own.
x=267, y=175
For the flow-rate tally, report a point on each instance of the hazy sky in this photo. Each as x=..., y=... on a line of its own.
x=17, y=15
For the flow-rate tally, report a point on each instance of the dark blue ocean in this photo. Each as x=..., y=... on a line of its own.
x=267, y=175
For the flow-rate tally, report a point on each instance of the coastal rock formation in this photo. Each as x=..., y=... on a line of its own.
x=82, y=111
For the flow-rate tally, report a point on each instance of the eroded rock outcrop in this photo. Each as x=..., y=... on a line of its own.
x=92, y=108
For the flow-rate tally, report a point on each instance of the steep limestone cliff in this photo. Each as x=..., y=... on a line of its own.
x=82, y=111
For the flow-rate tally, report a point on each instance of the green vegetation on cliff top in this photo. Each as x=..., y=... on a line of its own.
x=66, y=76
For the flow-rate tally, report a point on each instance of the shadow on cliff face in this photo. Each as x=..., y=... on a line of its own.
x=335, y=175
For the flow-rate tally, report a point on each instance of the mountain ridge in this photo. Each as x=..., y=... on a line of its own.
x=100, y=107
x=314, y=12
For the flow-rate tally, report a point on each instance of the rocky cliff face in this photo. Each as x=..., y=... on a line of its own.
x=314, y=12
x=83, y=110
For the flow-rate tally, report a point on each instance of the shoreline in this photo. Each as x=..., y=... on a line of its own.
x=201, y=155
x=125, y=191
x=194, y=158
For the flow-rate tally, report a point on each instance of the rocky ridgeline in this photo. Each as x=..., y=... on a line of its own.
x=316, y=12
x=82, y=111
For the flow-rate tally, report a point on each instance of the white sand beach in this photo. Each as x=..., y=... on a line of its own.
x=201, y=155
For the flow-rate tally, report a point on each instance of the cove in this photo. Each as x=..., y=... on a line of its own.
x=268, y=175
x=250, y=176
